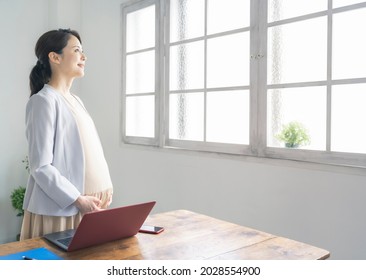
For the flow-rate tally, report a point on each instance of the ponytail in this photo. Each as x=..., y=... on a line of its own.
x=39, y=76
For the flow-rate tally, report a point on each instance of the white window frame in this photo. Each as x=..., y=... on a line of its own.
x=327, y=156
x=199, y=145
x=125, y=9
x=258, y=89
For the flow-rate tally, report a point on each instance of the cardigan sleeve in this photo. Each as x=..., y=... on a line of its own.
x=41, y=122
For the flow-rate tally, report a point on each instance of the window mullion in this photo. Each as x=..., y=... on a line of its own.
x=329, y=77
x=258, y=73
x=205, y=76
x=165, y=73
x=161, y=89
x=123, y=82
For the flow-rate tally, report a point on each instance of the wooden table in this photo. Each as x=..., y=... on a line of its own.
x=187, y=236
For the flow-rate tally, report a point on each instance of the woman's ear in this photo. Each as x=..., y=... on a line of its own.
x=54, y=57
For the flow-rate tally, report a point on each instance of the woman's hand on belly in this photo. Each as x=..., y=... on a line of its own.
x=87, y=204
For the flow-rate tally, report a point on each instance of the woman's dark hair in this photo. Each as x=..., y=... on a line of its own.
x=51, y=41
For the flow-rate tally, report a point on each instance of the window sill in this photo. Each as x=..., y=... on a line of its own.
x=291, y=163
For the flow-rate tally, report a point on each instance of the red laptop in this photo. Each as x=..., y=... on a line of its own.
x=103, y=226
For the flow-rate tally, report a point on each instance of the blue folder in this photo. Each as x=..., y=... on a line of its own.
x=36, y=254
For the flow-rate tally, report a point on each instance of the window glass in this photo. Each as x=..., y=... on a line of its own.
x=228, y=60
x=224, y=15
x=186, y=19
x=140, y=31
x=306, y=106
x=228, y=117
x=348, y=118
x=295, y=48
x=284, y=9
x=349, y=44
x=340, y=3
x=140, y=72
x=187, y=66
x=186, y=116
x=140, y=116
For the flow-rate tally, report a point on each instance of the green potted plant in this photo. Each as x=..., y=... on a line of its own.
x=17, y=197
x=294, y=134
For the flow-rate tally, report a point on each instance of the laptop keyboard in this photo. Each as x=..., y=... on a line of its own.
x=66, y=241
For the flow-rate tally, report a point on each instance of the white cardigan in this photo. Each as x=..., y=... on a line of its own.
x=56, y=156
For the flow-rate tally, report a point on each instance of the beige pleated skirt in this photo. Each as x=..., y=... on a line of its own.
x=35, y=225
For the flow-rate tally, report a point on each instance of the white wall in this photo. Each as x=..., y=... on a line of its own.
x=20, y=24
x=320, y=205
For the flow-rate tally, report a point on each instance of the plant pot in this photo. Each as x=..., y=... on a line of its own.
x=291, y=145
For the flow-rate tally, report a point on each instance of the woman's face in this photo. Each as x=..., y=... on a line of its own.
x=72, y=59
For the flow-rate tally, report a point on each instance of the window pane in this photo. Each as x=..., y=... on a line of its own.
x=186, y=19
x=187, y=66
x=297, y=52
x=348, y=118
x=140, y=72
x=186, y=116
x=228, y=60
x=228, y=117
x=341, y=3
x=304, y=105
x=224, y=15
x=283, y=9
x=349, y=44
x=140, y=116
x=140, y=29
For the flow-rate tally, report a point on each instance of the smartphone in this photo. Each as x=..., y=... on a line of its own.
x=151, y=229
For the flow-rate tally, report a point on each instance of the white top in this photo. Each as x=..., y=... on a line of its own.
x=96, y=176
